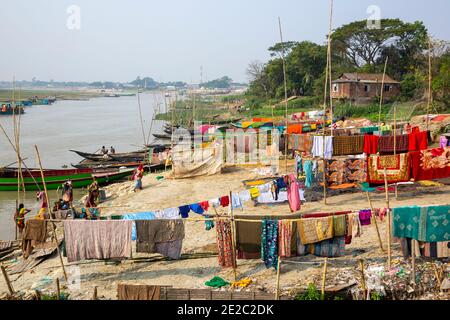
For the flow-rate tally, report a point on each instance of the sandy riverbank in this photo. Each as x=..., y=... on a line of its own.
x=192, y=273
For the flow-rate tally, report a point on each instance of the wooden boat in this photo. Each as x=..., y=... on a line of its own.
x=55, y=178
x=6, y=109
x=108, y=165
x=125, y=157
x=162, y=136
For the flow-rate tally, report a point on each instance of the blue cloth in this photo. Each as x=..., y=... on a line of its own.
x=281, y=184
x=197, y=208
x=184, y=211
x=236, y=201
x=137, y=216
x=269, y=243
x=309, y=173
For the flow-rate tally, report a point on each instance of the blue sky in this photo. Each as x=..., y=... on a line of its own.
x=169, y=40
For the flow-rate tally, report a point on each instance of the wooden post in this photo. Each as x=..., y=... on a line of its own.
x=430, y=94
x=388, y=219
x=233, y=239
x=285, y=97
x=94, y=297
x=375, y=220
x=48, y=204
x=413, y=261
x=363, y=279
x=277, y=292
x=58, y=290
x=8, y=283
x=324, y=277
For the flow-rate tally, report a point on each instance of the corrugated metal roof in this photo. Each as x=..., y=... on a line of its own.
x=365, y=77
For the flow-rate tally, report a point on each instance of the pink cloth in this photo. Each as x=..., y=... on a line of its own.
x=293, y=193
x=204, y=127
x=443, y=141
x=97, y=239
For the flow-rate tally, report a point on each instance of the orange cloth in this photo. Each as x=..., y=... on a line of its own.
x=295, y=128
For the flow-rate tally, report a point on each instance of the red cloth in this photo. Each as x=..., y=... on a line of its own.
x=430, y=164
x=418, y=141
x=370, y=144
x=204, y=205
x=224, y=201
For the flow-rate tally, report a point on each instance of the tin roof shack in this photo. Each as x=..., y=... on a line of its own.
x=364, y=87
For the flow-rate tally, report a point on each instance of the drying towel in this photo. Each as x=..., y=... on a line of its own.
x=138, y=292
x=364, y=217
x=418, y=141
x=295, y=128
x=293, y=194
x=371, y=144
x=160, y=236
x=368, y=129
x=386, y=144
x=236, y=201
x=397, y=168
x=137, y=216
x=35, y=232
x=347, y=145
x=428, y=224
x=248, y=239
x=97, y=239
x=430, y=164
x=318, y=150
x=196, y=207
x=315, y=229
x=224, y=244
x=224, y=201
x=300, y=142
x=340, y=225
x=204, y=205
x=254, y=192
x=269, y=243
x=244, y=196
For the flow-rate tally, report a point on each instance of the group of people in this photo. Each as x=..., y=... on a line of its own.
x=105, y=151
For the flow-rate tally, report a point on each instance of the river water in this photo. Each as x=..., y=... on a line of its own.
x=80, y=125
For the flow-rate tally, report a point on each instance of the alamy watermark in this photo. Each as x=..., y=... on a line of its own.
x=374, y=20
x=74, y=19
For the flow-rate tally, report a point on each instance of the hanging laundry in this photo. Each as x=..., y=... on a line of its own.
x=334, y=247
x=293, y=193
x=197, y=208
x=430, y=164
x=225, y=200
x=269, y=243
x=298, y=164
x=244, y=196
x=308, y=173
x=35, y=232
x=204, y=205
x=339, y=225
x=369, y=129
x=215, y=202
x=170, y=213
x=418, y=141
x=443, y=142
x=160, y=236
x=318, y=147
x=243, y=283
x=349, y=229
x=264, y=188
x=428, y=224
x=348, y=145
x=386, y=144
x=425, y=249
x=294, y=128
x=224, y=244
x=216, y=282
x=371, y=144
x=138, y=292
x=254, y=192
x=248, y=239
x=397, y=168
x=236, y=201
x=315, y=229
x=99, y=239
x=268, y=198
x=138, y=216
x=364, y=217
x=184, y=211
x=300, y=142
x=284, y=238
x=209, y=224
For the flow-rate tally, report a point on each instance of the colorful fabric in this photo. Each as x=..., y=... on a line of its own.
x=197, y=208
x=397, y=168
x=428, y=224
x=204, y=205
x=243, y=283
x=224, y=201
x=293, y=193
x=430, y=164
x=254, y=192
x=345, y=171
x=386, y=144
x=216, y=282
x=294, y=128
x=269, y=243
x=137, y=216
x=364, y=217
x=318, y=147
x=315, y=229
x=425, y=249
x=184, y=211
x=418, y=141
x=224, y=244
x=284, y=238
x=300, y=142
x=443, y=142
x=328, y=248
x=368, y=129
x=348, y=145
x=371, y=144
x=340, y=225
x=248, y=239
x=308, y=173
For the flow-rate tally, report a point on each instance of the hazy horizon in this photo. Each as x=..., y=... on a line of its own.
x=169, y=41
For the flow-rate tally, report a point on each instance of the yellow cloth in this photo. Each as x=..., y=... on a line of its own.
x=246, y=124
x=313, y=126
x=428, y=183
x=313, y=230
x=254, y=192
x=41, y=214
x=256, y=182
x=242, y=283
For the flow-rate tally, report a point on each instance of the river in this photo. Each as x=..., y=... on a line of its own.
x=71, y=124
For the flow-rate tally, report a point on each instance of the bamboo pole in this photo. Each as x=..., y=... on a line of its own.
x=48, y=208
x=8, y=282
x=324, y=276
x=388, y=219
x=94, y=296
x=15, y=222
x=233, y=238
x=277, y=292
x=363, y=279
x=413, y=261
x=140, y=116
x=58, y=290
x=285, y=96
x=375, y=220
x=329, y=64
x=382, y=90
